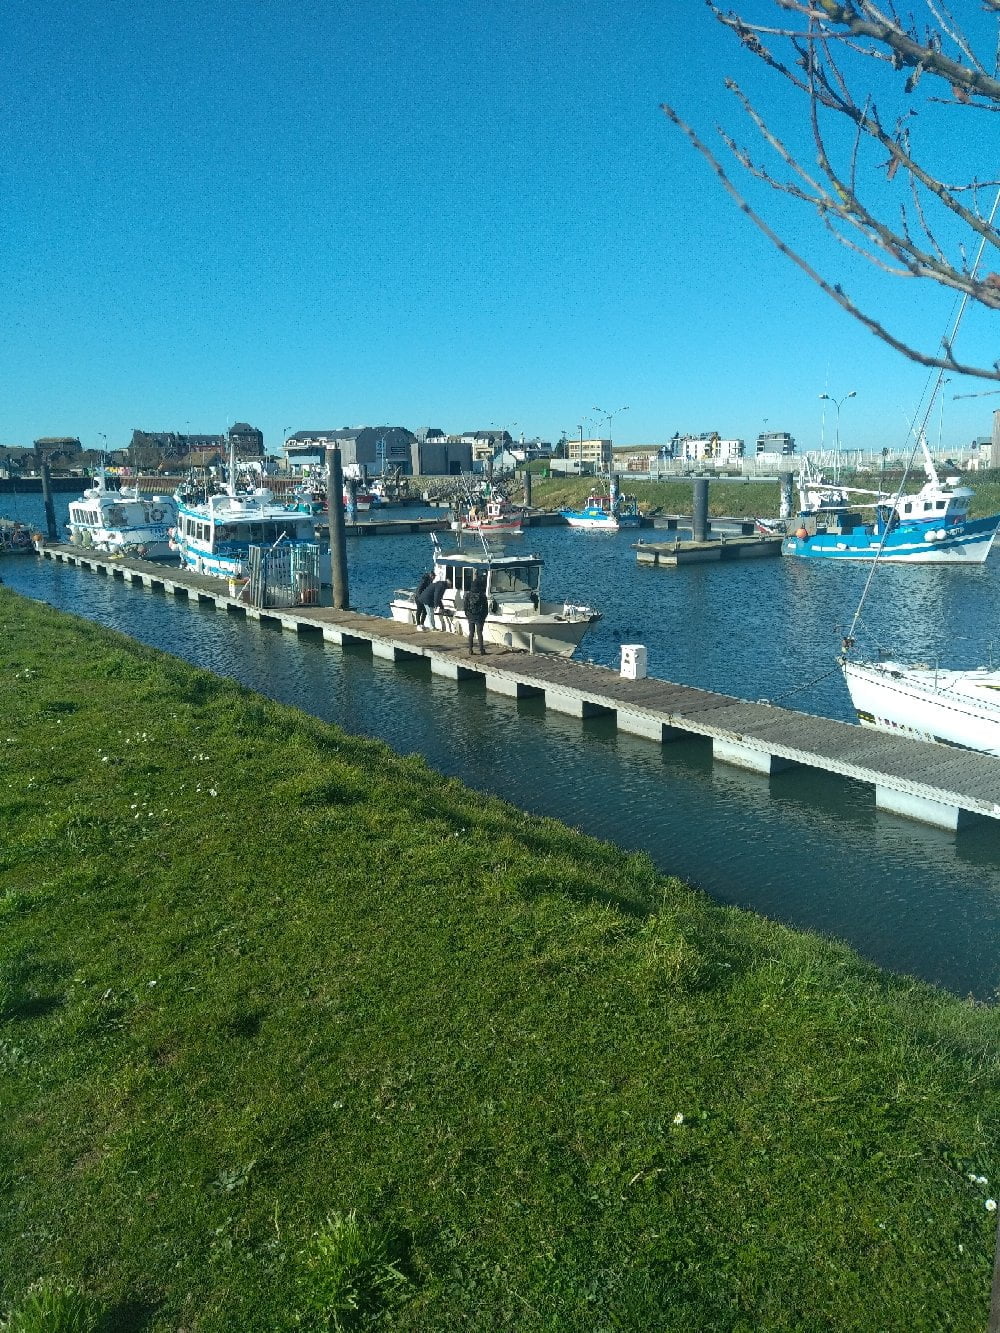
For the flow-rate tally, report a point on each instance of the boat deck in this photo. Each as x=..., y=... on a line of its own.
x=935, y=784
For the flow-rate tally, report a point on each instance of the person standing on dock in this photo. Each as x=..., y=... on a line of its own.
x=476, y=607
x=425, y=582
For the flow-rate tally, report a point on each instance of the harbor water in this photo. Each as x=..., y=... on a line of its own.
x=802, y=847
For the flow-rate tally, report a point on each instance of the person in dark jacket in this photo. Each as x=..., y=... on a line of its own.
x=476, y=607
x=425, y=582
x=431, y=599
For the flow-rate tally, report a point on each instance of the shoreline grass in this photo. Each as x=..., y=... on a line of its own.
x=297, y=1033
x=737, y=499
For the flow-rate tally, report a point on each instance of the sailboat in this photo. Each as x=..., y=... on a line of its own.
x=956, y=707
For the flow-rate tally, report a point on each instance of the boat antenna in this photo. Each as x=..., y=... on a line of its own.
x=936, y=383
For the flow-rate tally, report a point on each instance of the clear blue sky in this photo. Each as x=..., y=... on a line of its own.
x=414, y=213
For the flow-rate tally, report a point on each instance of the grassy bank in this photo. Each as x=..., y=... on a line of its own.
x=735, y=498
x=296, y=1033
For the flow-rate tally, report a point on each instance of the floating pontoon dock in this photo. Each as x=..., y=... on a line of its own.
x=935, y=784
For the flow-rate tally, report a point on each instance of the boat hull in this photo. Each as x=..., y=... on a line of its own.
x=592, y=522
x=925, y=704
x=966, y=543
x=554, y=632
x=510, y=529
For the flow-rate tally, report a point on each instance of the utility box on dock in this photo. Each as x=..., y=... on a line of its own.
x=634, y=661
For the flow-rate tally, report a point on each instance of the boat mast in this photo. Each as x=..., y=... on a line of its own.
x=848, y=641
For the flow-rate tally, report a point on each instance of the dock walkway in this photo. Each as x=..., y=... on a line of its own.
x=935, y=784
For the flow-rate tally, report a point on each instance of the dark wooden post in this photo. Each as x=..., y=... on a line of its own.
x=50, y=509
x=527, y=487
x=699, y=510
x=338, y=529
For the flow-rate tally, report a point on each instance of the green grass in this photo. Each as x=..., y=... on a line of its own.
x=735, y=499
x=296, y=1033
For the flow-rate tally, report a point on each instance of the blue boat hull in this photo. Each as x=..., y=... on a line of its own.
x=909, y=543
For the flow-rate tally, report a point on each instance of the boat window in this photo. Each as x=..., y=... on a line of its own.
x=907, y=509
x=515, y=579
x=940, y=504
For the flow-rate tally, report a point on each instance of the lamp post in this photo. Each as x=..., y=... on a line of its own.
x=607, y=416
x=837, y=402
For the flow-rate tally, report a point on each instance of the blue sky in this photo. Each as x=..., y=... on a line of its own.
x=416, y=213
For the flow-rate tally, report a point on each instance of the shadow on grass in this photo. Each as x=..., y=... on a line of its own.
x=132, y=1316
x=31, y=1006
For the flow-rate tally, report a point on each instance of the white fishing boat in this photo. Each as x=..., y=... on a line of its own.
x=518, y=617
x=954, y=707
x=122, y=522
x=214, y=533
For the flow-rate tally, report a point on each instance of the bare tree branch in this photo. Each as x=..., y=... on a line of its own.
x=945, y=362
x=832, y=41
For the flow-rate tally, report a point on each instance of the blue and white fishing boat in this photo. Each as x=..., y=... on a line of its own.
x=605, y=513
x=931, y=527
x=213, y=534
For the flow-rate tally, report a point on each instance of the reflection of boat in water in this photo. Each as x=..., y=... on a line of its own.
x=494, y=517
x=931, y=527
x=957, y=707
x=518, y=617
x=122, y=522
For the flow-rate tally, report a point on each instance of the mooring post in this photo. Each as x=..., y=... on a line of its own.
x=527, y=488
x=50, y=509
x=338, y=529
x=699, y=510
x=785, y=481
x=352, y=499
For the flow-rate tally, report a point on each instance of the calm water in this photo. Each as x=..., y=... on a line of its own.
x=801, y=847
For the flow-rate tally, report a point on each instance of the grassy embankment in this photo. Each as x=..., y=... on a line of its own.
x=734, y=499
x=296, y=1033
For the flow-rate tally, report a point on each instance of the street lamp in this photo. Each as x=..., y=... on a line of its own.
x=837, y=402
x=607, y=416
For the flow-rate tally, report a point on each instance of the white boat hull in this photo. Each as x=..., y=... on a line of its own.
x=147, y=543
x=953, y=707
x=595, y=524
x=556, y=631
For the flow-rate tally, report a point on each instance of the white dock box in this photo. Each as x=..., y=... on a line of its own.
x=634, y=661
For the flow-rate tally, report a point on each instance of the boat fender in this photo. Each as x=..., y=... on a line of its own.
x=802, y=534
x=156, y=515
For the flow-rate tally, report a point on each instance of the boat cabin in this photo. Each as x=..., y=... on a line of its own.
x=509, y=579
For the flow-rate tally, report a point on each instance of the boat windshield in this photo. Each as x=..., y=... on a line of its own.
x=514, y=578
